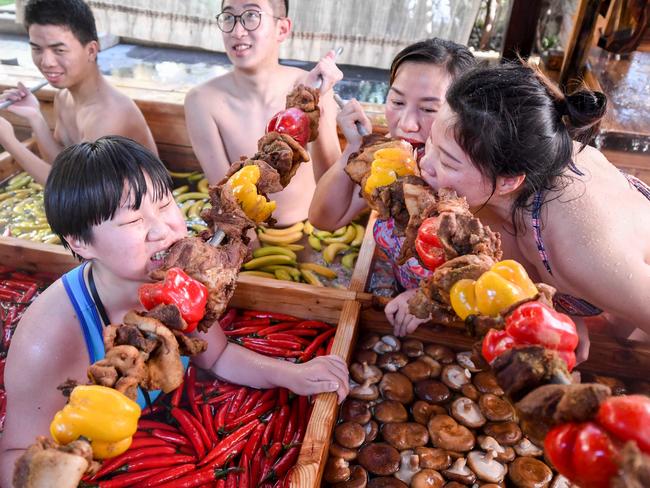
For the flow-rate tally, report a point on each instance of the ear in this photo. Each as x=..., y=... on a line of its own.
x=284, y=28
x=509, y=184
x=80, y=247
x=93, y=50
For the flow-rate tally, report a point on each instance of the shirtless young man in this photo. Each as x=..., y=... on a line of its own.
x=63, y=39
x=227, y=115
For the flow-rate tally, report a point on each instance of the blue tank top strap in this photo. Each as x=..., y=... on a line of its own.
x=84, y=306
x=537, y=229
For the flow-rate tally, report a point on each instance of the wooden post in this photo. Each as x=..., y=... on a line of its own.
x=522, y=26
x=581, y=41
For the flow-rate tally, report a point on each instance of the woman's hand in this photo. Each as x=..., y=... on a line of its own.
x=347, y=118
x=6, y=131
x=327, y=70
x=321, y=374
x=25, y=104
x=397, y=313
x=582, y=351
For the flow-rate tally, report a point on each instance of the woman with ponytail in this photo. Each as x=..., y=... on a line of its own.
x=516, y=147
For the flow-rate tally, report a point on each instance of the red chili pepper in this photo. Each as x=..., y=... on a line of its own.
x=227, y=319
x=276, y=328
x=188, y=428
x=221, y=483
x=147, y=442
x=252, y=329
x=313, y=324
x=330, y=344
x=271, y=457
x=169, y=436
x=270, y=315
x=304, y=412
x=220, y=417
x=232, y=480
x=267, y=437
x=196, y=478
x=627, y=418
x=272, y=351
x=145, y=424
x=203, y=434
x=281, y=422
x=188, y=294
x=282, y=465
x=167, y=475
x=154, y=462
x=534, y=323
x=226, y=445
x=208, y=422
x=288, y=337
x=238, y=324
x=129, y=479
x=247, y=417
x=292, y=423
x=221, y=398
x=244, y=464
x=237, y=402
x=176, y=396
x=113, y=464
x=428, y=245
x=290, y=345
x=583, y=453
x=250, y=401
x=313, y=347
x=301, y=332
x=190, y=390
x=152, y=409
x=253, y=442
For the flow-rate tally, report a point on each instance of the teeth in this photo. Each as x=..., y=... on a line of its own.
x=160, y=255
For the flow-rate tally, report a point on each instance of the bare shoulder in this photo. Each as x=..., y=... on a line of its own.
x=223, y=84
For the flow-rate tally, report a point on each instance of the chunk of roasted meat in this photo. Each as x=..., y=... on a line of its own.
x=389, y=201
x=282, y=153
x=427, y=303
x=46, y=464
x=634, y=469
x=122, y=368
x=306, y=99
x=215, y=267
x=550, y=405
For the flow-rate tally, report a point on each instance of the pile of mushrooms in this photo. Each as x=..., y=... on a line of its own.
x=423, y=416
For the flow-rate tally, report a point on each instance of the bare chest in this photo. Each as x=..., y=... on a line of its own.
x=71, y=121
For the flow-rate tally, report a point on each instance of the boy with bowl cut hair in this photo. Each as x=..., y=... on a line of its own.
x=226, y=115
x=64, y=44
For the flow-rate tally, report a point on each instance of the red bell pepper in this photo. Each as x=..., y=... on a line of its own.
x=293, y=122
x=536, y=324
x=428, y=245
x=587, y=453
x=188, y=294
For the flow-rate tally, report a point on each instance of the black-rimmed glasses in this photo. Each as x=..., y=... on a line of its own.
x=249, y=19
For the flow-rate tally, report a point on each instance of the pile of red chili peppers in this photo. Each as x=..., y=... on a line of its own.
x=215, y=434
x=17, y=291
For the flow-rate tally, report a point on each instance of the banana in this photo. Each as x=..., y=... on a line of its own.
x=180, y=190
x=193, y=195
x=322, y=234
x=185, y=207
x=340, y=231
x=259, y=274
x=308, y=228
x=310, y=277
x=346, y=238
x=268, y=261
x=18, y=177
x=195, y=176
x=195, y=210
x=314, y=242
x=282, y=240
x=318, y=269
x=330, y=252
x=274, y=250
x=198, y=227
x=282, y=274
x=293, y=272
x=179, y=175
x=295, y=247
x=349, y=259
x=358, y=239
x=203, y=185
x=297, y=227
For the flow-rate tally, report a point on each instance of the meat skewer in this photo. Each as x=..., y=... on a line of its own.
x=33, y=89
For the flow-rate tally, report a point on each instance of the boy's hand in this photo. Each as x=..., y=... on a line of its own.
x=6, y=131
x=397, y=313
x=347, y=118
x=320, y=375
x=327, y=70
x=25, y=103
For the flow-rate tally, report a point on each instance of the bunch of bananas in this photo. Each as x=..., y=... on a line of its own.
x=192, y=197
x=244, y=187
x=22, y=213
x=277, y=257
x=389, y=163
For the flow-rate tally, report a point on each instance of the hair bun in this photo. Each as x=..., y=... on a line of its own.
x=585, y=107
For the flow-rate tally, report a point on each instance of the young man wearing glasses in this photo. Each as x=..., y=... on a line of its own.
x=226, y=115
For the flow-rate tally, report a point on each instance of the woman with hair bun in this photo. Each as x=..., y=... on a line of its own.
x=516, y=147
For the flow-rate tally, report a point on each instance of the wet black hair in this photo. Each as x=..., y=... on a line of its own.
x=87, y=183
x=455, y=57
x=511, y=120
x=280, y=7
x=73, y=14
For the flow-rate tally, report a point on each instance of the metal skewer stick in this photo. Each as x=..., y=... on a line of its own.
x=33, y=89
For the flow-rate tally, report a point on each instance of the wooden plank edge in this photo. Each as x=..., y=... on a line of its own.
x=363, y=266
x=315, y=448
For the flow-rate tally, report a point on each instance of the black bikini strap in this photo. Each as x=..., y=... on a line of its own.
x=98, y=301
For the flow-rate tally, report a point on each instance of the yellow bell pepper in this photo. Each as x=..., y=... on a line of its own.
x=243, y=184
x=104, y=416
x=496, y=290
x=389, y=164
